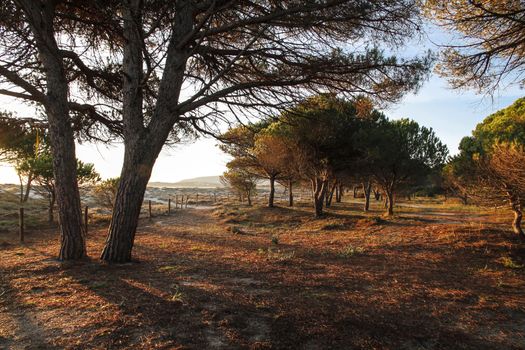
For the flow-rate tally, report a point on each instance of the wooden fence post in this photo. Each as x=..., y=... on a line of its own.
x=187, y=197
x=86, y=220
x=21, y=224
x=149, y=207
x=169, y=206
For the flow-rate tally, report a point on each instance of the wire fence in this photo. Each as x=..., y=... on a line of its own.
x=36, y=214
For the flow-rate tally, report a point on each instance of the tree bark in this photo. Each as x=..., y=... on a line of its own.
x=367, y=188
x=272, y=192
x=290, y=193
x=319, y=186
x=61, y=136
x=127, y=207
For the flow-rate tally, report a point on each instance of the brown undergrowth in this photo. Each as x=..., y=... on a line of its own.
x=238, y=277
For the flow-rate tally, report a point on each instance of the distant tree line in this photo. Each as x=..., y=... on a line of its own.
x=328, y=143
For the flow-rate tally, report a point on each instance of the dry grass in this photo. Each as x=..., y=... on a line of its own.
x=423, y=280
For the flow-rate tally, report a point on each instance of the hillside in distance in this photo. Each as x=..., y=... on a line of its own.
x=196, y=182
x=205, y=182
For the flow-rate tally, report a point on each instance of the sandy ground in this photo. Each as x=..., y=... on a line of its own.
x=258, y=278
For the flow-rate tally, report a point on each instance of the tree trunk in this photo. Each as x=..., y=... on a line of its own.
x=390, y=203
x=319, y=186
x=249, y=198
x=21, y=188
x=290, y=193
x=377, y=194
x=127, y=207
x=50, y=211
x=61, y=136
x=367, y=188
x=28, y=187
x=272, y=192
x=330, y=195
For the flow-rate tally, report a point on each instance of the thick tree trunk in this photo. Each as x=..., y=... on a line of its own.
x=144, y=139
x=60, y=131
x=127, y=207
x=367, y=188
x=272, y=192
x=290, y=193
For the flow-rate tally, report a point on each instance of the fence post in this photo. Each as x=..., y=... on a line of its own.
x=21, y=224
x=187, y=197
x=169, y=206
x=86, y=219
x=149, y=208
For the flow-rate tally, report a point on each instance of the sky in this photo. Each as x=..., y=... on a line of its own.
x=451, y=113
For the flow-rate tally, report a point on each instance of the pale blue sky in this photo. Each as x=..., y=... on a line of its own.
x=452, y=114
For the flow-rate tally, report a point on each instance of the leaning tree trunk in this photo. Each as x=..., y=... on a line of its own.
x=41, y=17
x=271, y=196
x=290, y=193
x=367, y=188
x=128, y=204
